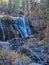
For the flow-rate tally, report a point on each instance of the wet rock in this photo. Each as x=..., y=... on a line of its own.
x=5, y=45
x=21, y=62
x=1, y=38
x=34, y=64
x=29, y=52
x=16, y=43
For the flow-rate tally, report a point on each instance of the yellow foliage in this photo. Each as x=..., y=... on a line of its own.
x=40, y=43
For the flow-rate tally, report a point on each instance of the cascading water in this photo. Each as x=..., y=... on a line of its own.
x=2, y=28
x=22, y=25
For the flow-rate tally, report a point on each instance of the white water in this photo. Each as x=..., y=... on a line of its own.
x=2, y=27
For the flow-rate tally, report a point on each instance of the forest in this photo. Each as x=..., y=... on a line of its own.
x=24, y=32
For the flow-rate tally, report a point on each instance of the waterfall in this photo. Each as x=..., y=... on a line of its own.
x=22, y=25
x=2, y=28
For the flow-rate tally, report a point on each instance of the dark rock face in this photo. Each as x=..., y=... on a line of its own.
x=7, y=31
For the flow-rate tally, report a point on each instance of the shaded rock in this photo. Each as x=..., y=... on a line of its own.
x=37, y=17
x=37, y=25
x=9, y=30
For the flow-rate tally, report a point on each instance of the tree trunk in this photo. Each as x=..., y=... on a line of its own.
x=31, y=2
x=23, y=5
x=10, y=6
x=27, y=6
